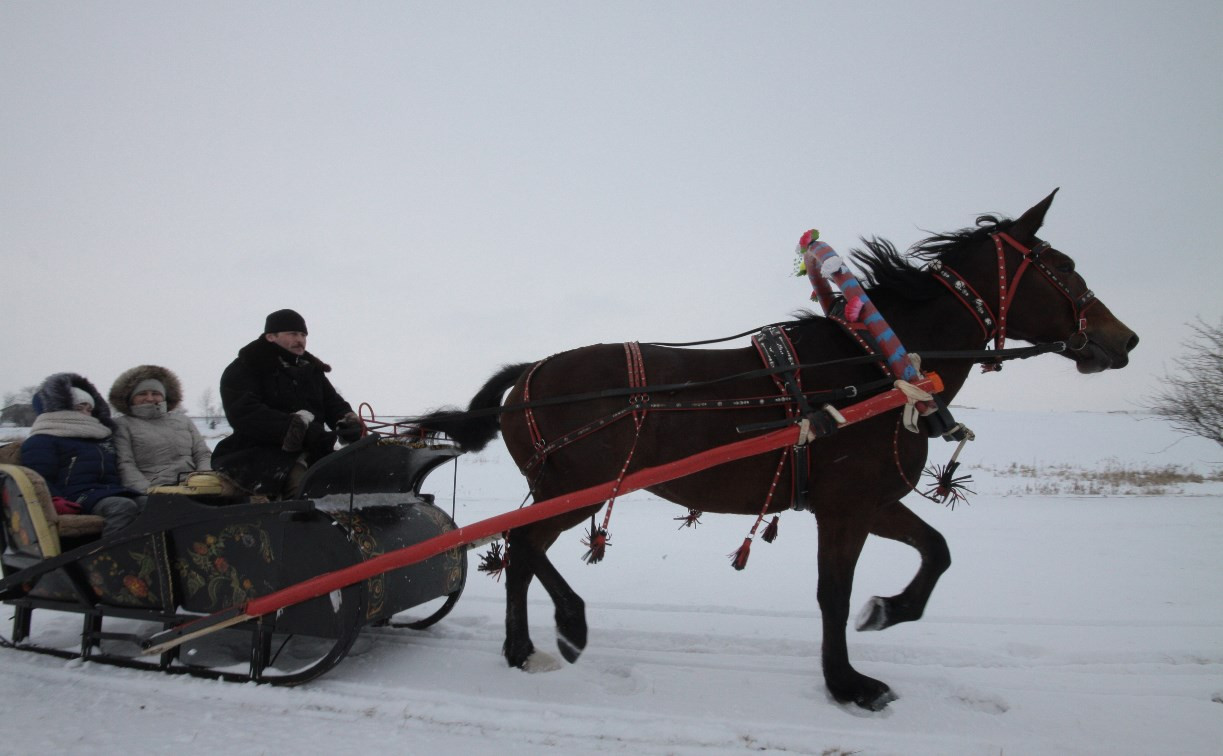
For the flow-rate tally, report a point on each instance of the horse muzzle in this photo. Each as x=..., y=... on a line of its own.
x=1097, y=352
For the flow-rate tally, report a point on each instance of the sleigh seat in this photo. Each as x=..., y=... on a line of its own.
x=32, y=527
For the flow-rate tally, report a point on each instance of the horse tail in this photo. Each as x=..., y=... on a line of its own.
x=474, y=428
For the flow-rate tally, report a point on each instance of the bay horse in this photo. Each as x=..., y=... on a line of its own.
x=857, y=475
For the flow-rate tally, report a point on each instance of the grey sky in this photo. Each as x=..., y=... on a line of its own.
x=441, y=188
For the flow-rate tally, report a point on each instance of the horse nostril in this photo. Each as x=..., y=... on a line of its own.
x=1133, y=342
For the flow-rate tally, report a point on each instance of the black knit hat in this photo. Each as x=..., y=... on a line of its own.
x=284, y=320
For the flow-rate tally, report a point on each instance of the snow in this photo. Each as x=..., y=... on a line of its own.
x=1068, y=623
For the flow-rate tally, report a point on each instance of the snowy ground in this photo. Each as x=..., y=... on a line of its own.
x=1068, y=623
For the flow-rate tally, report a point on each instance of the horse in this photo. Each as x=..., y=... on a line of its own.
x=856, y=477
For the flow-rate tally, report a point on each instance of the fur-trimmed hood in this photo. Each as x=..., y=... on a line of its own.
x=125, y=384
x=55, y=395
x=263, y=356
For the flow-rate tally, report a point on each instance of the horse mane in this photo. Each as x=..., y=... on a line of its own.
x=884, y=268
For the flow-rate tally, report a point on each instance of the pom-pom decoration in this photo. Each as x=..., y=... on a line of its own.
x=690, y=520
x=596, y=542
x=807, y=239
x=494, y=562
x=948, y=488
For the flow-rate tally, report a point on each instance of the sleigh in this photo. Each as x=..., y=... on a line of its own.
x=202, y=546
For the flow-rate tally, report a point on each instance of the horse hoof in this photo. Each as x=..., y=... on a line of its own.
x=877, y=701
x=860, y=690
x=570, y=650
x=874, y=616
x=539, y=661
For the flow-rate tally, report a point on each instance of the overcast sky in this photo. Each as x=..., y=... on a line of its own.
x=442, y=188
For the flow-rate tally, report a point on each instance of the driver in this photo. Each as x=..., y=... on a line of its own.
x=280, y=404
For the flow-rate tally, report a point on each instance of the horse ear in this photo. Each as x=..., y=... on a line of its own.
x=1031, y=221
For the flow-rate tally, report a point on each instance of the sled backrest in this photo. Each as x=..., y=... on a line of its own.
x=31, y=524
x=27, y=529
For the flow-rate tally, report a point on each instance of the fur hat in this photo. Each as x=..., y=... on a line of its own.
x=133, y=379
x=57, y=393
x=284, y=320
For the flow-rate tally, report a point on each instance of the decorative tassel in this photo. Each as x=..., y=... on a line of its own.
x=853, y=308
x=494, y=562
x=738, y=558
x=770, y=533
x=596, y=542
x=948, y=488
x=690, y=520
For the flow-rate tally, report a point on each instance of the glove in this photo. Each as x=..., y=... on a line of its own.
x=299, y=423
x=349, y=428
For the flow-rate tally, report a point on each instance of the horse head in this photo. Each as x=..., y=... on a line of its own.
x=1024, y=288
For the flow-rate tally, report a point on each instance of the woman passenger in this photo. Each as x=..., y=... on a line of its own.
x=71, y=445
x=156, y=442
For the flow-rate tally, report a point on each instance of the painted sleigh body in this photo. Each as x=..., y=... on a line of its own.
x=201, y=547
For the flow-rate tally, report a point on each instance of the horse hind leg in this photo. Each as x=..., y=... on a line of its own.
x=570, y=615
x=519, y=572
x=527, y=560
x=898, y=523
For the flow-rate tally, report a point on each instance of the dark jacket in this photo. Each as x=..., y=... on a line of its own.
x=83, y=469
x=264, y=386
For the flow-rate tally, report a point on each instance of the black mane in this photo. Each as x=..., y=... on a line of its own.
x=885, y=268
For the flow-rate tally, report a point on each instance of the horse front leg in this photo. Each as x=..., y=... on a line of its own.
x=898, y=523
x=840, y=543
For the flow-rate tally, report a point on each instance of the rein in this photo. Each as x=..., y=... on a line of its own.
x=844, y=392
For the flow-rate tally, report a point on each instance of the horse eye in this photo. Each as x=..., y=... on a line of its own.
x=1063, y=264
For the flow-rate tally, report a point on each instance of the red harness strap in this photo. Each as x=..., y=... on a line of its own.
x=598, y=539
x=537, y=440
x=636, y=374
x=994, y=326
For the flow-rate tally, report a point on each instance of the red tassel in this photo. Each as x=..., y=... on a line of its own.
x=690, y=520
x=493, y=563
x=770, y=533
x=596, y=543
x=738, y=559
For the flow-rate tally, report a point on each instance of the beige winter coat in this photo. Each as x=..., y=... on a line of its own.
x=155, y=450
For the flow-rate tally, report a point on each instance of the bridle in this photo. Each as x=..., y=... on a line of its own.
x=995, y=326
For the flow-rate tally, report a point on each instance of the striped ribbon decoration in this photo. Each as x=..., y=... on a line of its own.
x=824, y=264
